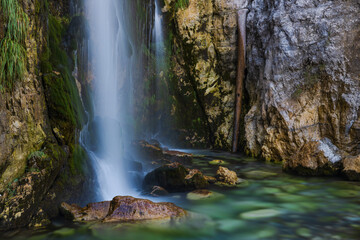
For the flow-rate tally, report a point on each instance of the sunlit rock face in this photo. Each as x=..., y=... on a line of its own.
x=303, y=79
x=206, y=43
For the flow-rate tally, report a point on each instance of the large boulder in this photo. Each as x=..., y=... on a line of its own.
x=123, y=208
x=315, y=158
x=175, y=178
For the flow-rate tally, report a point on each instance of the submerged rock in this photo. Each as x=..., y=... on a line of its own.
x=203, y=194
x=218, y=162
x=259, y=174
x=262, y=213
x=123, y=208
x=174, y=178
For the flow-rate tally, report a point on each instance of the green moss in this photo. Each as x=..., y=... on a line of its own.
x=37, y=154
x=63, y=100
x=12, y=46
x=181, y=4
x=76, y=161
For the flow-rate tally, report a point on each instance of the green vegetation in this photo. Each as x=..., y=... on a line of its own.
x=37, y=154
x=64, y=103
x=181, y=4
x=12, y=50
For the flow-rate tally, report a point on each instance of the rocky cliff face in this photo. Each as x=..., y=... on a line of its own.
x=302, y=79
x=303, y=82
x=39, y=119
x=204, y=63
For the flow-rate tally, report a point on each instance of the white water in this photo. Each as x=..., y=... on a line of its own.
x=111, y=58
x=158, y=39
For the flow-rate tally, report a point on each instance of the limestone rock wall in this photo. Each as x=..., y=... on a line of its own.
x=205, y=55
x=303, y=81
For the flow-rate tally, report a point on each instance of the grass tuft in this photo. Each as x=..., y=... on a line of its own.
x=12, y=46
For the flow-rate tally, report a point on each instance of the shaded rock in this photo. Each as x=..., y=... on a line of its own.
x=40, y=219
x=154, y=154
x=158, y=191
x=351, y=167
x=176, y=156
x=147, y=151
x=210, y=179
x=259, y=174
x=226, y=176
x=315, y=158
x=122, y=208
x=175, y=177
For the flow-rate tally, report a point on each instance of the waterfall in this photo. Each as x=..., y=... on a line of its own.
x=161, y=91
x=112, y=61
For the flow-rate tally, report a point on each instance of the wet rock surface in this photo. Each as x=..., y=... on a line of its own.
x=123, y=209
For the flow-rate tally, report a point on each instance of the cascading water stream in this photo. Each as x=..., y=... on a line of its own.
x=161, y=91
x=112, y=59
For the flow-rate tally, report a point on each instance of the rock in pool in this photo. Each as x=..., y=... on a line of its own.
x=123, y=209
x=262, y=213
x=175, y=178
x=226, y=176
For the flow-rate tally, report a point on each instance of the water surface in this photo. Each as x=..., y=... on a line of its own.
x=278, y=206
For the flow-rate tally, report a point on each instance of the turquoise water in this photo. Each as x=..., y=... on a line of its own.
x=269, y=205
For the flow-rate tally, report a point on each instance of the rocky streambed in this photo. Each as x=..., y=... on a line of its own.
x=265, y=204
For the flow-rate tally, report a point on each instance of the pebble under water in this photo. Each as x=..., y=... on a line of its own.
x=270, y=204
